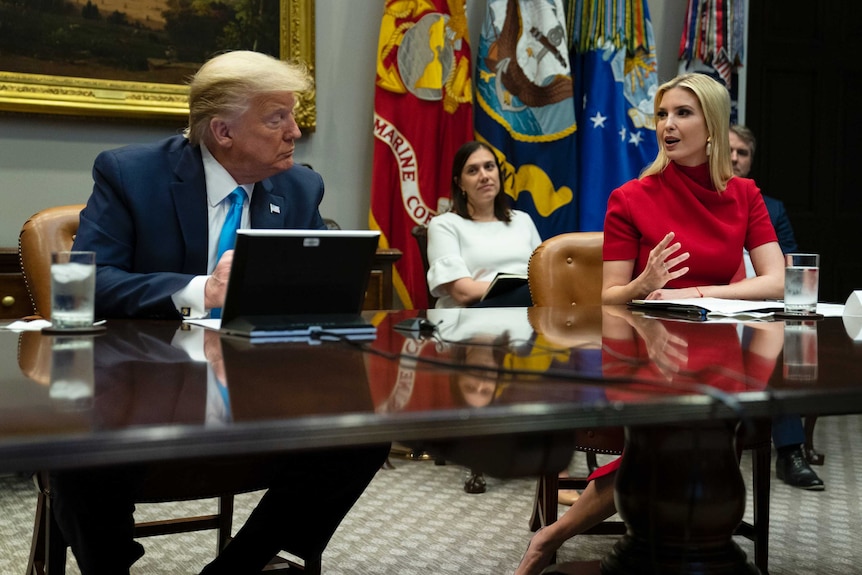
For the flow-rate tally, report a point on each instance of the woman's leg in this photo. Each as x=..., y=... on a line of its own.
x=595, y=505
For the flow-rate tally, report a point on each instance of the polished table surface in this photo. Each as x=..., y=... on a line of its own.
x=497, y=389
x=145, y=398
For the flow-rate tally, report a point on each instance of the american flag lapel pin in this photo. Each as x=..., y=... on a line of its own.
x=273, y=209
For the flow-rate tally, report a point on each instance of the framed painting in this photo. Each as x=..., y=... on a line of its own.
x=116, y=58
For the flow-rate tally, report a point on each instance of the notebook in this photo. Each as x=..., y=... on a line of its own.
x=295, y=285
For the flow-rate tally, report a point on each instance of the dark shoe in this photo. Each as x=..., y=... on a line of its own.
x=794, y=470
x=475, y=483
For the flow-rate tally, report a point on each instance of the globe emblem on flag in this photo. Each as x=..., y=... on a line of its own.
x=426, y=56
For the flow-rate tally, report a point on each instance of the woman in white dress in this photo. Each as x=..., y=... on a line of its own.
x=480, y=237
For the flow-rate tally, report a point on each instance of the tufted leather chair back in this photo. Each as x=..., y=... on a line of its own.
x=51, y=230
x=566, y=270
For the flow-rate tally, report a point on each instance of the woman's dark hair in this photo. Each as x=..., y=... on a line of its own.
x=502, y=207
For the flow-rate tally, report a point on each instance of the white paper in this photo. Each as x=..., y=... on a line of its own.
x=720, y=307
x=830, y=309
x=24, y=325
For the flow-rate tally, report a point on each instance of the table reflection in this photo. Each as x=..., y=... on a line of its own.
x=143, y=373
x=519, y=355
x=800, y=351
x=72, y=379
x=156, y=373
x=731, y=357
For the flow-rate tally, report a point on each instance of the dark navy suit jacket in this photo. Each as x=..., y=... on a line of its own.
x=147, y=222
x=781, y=223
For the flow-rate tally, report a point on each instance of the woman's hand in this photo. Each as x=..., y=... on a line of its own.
x=661, y=263
x=683, y=293
x=618, y=287
x=465, y=291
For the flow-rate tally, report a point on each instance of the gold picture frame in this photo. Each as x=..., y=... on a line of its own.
x=44, y=94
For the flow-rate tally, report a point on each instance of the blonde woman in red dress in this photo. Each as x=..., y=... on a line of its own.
x=675, y=232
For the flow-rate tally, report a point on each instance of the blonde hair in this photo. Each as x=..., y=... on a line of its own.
x=715, y=102
x=226, y=84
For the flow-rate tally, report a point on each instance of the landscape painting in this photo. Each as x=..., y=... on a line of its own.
x=135, y=57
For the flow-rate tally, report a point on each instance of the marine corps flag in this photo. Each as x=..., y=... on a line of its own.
x=422, y=114
x=525, y=108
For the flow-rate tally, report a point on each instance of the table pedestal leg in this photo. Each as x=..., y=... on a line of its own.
x=681, y=494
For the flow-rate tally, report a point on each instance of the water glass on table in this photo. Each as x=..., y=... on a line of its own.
x=73, y=290
x=801, y=279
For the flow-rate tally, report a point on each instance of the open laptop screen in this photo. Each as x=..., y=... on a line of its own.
x=279, y=273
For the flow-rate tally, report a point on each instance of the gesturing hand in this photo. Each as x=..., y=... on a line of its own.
x=661, y=263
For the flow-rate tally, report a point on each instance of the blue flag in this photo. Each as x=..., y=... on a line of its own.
x=616, y=78
x=525, y=111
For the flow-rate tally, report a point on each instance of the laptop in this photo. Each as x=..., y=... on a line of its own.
x=299, y=285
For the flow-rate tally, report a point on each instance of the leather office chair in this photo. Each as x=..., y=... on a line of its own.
x=573, y=327
x=54, y=229
x=564, y=271
x=475, y=482
x=420, y=234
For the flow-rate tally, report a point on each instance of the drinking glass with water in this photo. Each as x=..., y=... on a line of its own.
x=801, y=280
x=73, y=289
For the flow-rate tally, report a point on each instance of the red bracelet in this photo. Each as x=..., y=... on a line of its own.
x=698, y=291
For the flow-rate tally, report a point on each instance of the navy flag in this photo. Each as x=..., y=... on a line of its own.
x=525, y=109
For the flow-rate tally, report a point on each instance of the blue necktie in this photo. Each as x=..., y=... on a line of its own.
x=227, y=237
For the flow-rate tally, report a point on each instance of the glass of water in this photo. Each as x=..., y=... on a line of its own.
x=801, y=279
x=73, y=289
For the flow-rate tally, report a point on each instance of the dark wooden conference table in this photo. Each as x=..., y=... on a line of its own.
x=499, y=390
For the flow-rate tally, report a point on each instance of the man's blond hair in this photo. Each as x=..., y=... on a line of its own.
x=225, y=86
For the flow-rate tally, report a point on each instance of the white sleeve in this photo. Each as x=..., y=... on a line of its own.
x=445, y=262
x=189, y=301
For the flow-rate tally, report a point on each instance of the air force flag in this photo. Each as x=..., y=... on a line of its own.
x=616, y=78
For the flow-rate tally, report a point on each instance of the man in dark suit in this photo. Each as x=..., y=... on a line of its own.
x=787, y=431
x=155, y=221
x=156, y=210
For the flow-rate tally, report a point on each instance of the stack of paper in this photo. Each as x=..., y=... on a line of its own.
x=710, y=307
x=703, y=308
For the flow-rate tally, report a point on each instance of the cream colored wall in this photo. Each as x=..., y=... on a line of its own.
x=47, y=161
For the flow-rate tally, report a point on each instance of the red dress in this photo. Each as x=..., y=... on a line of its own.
x=713, y=227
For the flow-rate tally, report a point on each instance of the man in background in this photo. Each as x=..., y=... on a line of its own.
x=791, y=466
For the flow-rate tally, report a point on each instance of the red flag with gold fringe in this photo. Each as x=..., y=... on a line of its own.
x=422, y=114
